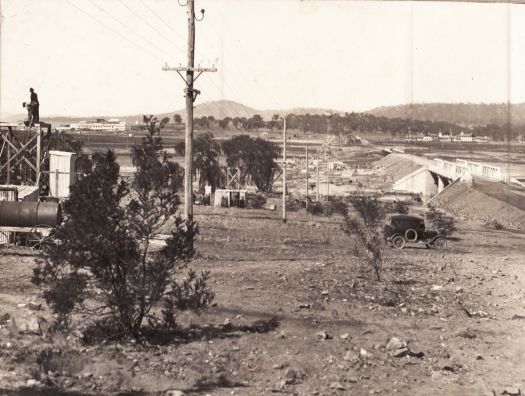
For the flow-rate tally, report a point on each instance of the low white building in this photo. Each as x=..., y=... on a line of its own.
x=113, y=125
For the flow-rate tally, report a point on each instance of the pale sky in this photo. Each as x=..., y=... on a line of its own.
x=344, y=55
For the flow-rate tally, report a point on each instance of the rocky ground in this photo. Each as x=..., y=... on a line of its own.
x=296, y=313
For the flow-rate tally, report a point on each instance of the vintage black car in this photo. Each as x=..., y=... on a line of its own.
x=401, y=228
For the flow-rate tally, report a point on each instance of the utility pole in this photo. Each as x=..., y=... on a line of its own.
x=284, y=169
x=307, y=178
x=188, y=137
x=328, y=180
x=191, y=95
x=317, y=184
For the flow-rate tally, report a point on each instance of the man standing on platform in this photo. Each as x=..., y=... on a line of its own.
x=35, y=105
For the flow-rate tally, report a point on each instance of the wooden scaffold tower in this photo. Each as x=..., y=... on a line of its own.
x=23, y=152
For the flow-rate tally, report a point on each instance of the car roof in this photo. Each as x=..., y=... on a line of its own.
x=405, y=217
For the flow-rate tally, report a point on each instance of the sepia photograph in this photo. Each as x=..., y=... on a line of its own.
x=262, y=197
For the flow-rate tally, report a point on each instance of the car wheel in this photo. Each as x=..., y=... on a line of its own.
x=411, y=235
x=398, y=242
x=440, y=243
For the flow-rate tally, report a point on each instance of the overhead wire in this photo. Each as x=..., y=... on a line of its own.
x=152, y=27
x=128, y=28
x=115, y=31
x=199, y=53
x=161, y=19
x=237, y=71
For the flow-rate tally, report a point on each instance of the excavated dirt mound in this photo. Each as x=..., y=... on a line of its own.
x=469, y=201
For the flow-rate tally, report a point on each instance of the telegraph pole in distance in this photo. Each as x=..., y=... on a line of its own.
x=307, y=178
x=317, y=184
x=284, y=169
x=191, y=95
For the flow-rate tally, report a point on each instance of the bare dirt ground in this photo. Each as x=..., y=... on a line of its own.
x=296, y=313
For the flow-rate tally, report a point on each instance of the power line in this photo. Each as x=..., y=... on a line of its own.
x=114, y=31
x=162, y=19
x=151, y=26
x=128, y=28
x=198, y=52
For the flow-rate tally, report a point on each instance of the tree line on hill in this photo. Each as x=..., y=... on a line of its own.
x=350, y=123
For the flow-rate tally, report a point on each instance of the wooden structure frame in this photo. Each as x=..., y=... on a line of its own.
x=233, y=178
x=21, y=147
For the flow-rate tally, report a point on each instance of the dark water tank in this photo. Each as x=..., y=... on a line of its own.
x=29, y=214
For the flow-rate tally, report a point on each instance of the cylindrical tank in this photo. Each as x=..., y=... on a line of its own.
x=29, y=214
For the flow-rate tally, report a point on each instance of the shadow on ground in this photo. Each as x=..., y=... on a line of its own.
x=98, y=332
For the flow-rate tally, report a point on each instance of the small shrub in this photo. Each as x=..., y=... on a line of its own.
x=366, y=230
x=315, y=208
x=192, y=294
x=335, y=205
x=396, y=207
x=328, y=208
x=255, y=201
x=495, y=224
x=445, y=225
x=294, y=204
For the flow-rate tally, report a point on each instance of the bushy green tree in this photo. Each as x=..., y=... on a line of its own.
x=255, y=157
x=206, y=157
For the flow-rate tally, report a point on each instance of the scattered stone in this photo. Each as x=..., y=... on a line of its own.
x=279, y=366
x=434, y=309
x=514, y=391
x=436, y=288
x=28, y=326
x=401, y=352
x=394, y=344
x=305, y=306
x=459, y=289
x=291, y=377
x=405, y=351
x=4, y=319
x=175, y=392
x=481, y=314
x=467, y=333
x=517, y=317
x=363, y=352
x=20, y=305
x=324, y=335
x=337, y=385
x=34, y=306
x=344, y=336
x=33, y=383
x=351, y=356
x=280, y=385
x=324, y=293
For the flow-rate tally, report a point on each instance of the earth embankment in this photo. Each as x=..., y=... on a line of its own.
x=484, y=201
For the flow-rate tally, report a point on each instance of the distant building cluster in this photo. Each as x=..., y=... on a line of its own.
x=446, y=137
x=111, y=125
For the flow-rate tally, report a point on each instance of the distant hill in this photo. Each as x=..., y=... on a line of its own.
x=218, y=109
x=456, y=113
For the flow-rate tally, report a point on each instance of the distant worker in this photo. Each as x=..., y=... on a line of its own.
x=35, y=105
x=30, y=115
